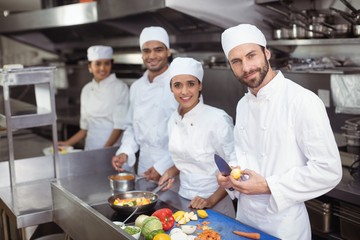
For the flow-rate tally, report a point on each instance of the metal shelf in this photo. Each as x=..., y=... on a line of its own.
x=42, y=78
x=308, y=42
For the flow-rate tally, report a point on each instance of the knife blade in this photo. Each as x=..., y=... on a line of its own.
x=222, y=165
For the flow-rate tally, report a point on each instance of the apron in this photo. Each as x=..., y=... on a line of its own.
x=292, y=223
x=148, y=157
x=97, y=134
x=225, y=206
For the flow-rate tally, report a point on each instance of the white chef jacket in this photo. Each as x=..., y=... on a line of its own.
x=104, y=106
x=193, y=141
x=284, y=134
x=151, y=105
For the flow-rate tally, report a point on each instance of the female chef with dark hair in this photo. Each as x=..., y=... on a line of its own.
x=196, y=132
x=104, y=103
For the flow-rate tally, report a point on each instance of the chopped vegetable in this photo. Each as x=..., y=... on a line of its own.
x=131, y=202
x=202, y=213
x=209, y=235
x=188, y=229
x=131, y=230
x=236, y=173
x=248, y=234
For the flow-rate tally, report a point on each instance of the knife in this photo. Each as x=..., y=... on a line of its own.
x=223, y=167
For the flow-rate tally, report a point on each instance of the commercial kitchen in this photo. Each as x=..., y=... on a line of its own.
x=43, y=195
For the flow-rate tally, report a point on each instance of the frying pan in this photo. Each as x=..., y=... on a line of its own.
x=136, y=194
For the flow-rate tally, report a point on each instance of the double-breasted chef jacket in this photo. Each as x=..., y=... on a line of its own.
x=151, y=105
x=284, y=134
x=104, y=107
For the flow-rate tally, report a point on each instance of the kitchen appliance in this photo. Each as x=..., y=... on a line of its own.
x=320, y=214
x=352, y=135
x=349, y=216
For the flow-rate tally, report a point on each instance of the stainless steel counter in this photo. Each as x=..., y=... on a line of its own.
x=29, y=204
x=74, y=196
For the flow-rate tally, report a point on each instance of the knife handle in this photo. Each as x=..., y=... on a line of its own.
x=231, y=189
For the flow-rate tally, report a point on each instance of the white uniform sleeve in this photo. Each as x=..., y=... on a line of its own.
x=316, y=141
x=128, y=142
x=83, y=112
x=223, y=139
x=121, y=106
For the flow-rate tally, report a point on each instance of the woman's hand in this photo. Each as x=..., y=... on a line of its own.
x=200, y=203
x=118, y=161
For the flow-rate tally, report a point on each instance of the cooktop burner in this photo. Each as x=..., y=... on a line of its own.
x=113, y=215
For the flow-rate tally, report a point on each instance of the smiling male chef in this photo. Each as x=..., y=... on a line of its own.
x=151, y=104
x=283, y=140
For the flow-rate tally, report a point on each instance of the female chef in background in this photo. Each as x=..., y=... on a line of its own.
x=104, y=103
x=196, y=132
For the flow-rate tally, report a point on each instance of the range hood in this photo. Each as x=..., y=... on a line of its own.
x=192, y=24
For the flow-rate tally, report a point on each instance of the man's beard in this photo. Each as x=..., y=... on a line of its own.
x=255, y=82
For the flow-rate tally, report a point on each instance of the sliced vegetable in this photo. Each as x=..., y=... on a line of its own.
x=175, y=230
x=179, y=236
x=178, y=215
x=165, y=215
x=188, y=229
x=248, y=234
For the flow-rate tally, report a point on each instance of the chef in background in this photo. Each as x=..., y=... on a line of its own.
x=151, y=104
x=196, y=132
x=104, y=103
x=283, y=141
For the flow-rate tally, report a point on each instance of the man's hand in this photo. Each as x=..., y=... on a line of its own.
x=119, y=160
x=224, y=181
x=152, y=174
x=254, y=184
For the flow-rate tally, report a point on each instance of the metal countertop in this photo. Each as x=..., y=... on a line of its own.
x=31, y=203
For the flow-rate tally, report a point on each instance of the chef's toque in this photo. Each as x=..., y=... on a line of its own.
x=240, y=34
x=186, y=66
x=99, y=52
x=154, y=34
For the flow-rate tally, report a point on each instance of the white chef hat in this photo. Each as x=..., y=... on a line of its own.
x=188, y=66
x=240, y=34
x=99, y=52
x=154, y=34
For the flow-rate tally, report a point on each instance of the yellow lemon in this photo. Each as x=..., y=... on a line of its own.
x=236, y=173
x=162, y=236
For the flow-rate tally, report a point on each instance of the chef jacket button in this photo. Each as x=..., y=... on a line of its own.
x=263, y=128
x=243, y=153
x=262, y=155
